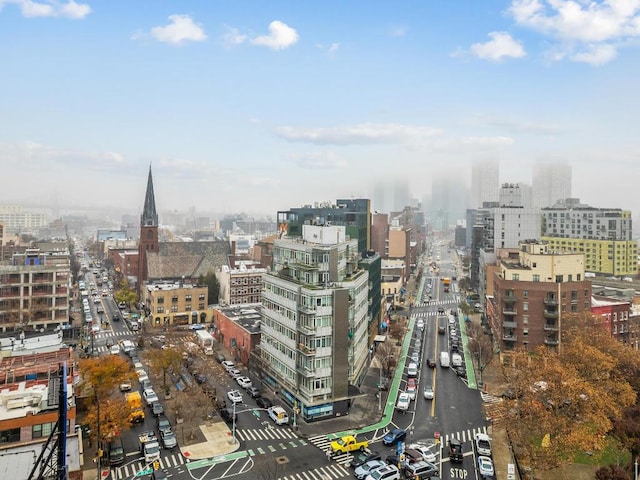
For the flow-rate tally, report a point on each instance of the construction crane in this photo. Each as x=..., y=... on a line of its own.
x=52, y=461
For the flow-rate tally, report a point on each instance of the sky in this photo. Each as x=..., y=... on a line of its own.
x=262, y=106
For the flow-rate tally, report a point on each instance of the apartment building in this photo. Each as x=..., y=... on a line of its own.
x=532, y=293
x=176, y=303
x=35, y=289
x=314, y=335
x=237, y=328
x=241, y=285
x=604, y=235
x=18, y=220
x=614, y=315
x=26, y=415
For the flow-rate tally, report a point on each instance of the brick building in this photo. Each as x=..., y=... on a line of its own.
x=237, y=328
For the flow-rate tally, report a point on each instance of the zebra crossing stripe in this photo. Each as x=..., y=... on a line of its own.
x=271, y=448
x=261, y=451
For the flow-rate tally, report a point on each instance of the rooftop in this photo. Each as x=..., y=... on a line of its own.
x=248, y=316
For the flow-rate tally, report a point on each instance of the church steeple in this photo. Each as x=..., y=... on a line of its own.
x=149, y=217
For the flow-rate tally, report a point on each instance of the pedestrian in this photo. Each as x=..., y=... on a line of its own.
x=329, y=454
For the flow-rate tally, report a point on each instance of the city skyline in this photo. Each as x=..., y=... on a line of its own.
x=259, y=107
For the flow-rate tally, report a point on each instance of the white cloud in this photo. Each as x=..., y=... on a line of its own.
x=593, y=28
x=330, y=49
x=180, y=30
x=232, y=37
x=36, y=155
x=362, y=134
x=317, y=160
x=501, y=46
x=50, y=8
x=280, y=36
x=596, y=55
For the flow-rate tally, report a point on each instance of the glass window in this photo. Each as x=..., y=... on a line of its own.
x=525, y=306
x=525, y=293
x=10, y=436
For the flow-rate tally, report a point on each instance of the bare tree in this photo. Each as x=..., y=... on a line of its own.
x=480, y=346
x=385, y=355
x=268, y=467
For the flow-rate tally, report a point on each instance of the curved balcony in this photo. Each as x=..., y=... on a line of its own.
x=509, y=337
x=551, y=327
x=551, y=301
x=550, y=314
x=509, y=311
x=551, y=341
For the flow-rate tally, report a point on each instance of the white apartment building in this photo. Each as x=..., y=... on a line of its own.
x=314, y=344
x=16, y=219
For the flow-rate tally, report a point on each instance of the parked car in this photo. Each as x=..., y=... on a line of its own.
x=157, y=409
x=425, y=451
x=403, y=402
x=168, y=439
x=482, y=444
x=485, y=466
x=244, y=382
x=200, y=378
x=125, y=386
x=421, y=469
x=412, y=370
x=196, y=326
x=228, y=365
x=263, y=402
x=162, y=423
x=412, y=386
x=220, y=358
x=227, y=415
x=235, y=396
x=234, y=373
x=150, y=396
x=388, y=472
x=394, y=436
x=253, y=392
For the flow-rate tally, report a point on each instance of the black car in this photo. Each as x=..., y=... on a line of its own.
x=455, y=450
x=263, y=402
x=431, y=362
x=162, y=423
x=227, y=415
x=116, y=317
x=220, y=358
x=363, y=457
x=200, y=378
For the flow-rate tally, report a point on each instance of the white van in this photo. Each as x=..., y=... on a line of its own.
x=444, y=359
x=456, y=360
x=589, y=275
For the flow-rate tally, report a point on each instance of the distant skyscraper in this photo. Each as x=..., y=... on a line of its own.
x=391, y=195
x=551, y=184
x=485, y=182
x=448, y=200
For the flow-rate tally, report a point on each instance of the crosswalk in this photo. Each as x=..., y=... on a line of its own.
x=463, y=435
x=329, y=472
x=438, y=303
x=272, y=433
x=131, y=469
x=123, y=335
x=323, y=443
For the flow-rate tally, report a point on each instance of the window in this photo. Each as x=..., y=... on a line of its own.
x=536, y=278
x=525, y=306
x=160, y=310
x=174, y=299
x=515, y=276
x=559, y=278
x=525, y=293
x=201, y=297
x=525, y=319
x=160, y=300
x=10, y=436
x=188, y=298
x=42, y=430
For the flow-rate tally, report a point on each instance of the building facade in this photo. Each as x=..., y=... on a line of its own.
x=533, y=293
x=314, y=339
x=551, y=184
x=485, y=179
x=241, y=285
x=353, y=214
x=148, y=233
x=603, y=235
x=614, y=315
x=17, y=220
x=35, y=290
x=237, y=328
x=176, y=304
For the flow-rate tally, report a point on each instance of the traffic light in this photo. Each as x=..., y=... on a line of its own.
x=156, y=464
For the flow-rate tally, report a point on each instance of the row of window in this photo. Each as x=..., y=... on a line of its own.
x=37, y=431
x=253, y=280
x=175, y=298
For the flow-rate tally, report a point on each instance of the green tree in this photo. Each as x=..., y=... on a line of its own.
x=213, y=285
x=125, y=294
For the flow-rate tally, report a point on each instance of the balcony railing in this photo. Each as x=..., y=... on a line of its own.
x=509, y=337
x=551, y=327
x=507, y=324
x=551, y=341
x=509, y=297
x=550, y=314
x=509, y=311
x=306, y=350
x=551, y=301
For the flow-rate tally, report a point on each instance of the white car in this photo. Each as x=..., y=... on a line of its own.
x=235, y=396
x=425, y=451
x=228, y=365
x=485, y=466
x=412, y=370
x=428, y=392
x=244, y=382
x=150, y=396
x=420, y=324
x=234, y=373
x=363, y=470
x=482, y=442
x=404, y=400
x=278, y=415
x=115, y=350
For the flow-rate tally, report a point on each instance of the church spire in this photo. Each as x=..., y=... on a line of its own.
x=149, y=217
